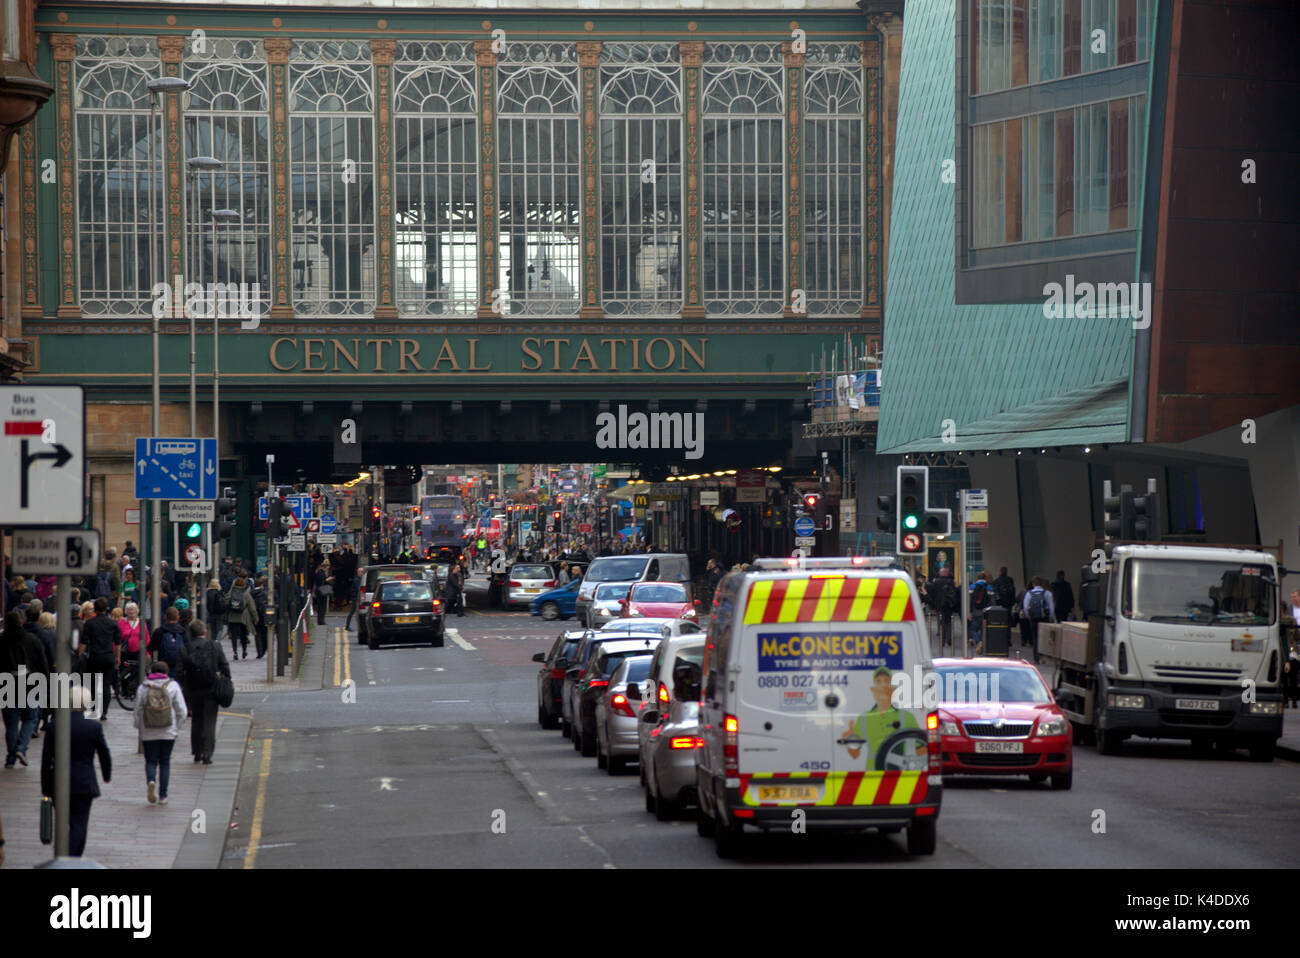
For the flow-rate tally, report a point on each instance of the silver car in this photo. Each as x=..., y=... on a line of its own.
x=605, y=605
x=528, y=580
x=616, y=723
x=668, y=735
x=665, y=627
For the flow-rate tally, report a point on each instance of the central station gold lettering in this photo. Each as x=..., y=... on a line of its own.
x=547, y=354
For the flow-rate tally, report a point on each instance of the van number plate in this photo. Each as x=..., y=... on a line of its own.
x=1197, y=705
x=788, y=793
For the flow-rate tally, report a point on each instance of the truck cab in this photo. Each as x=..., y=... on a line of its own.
x=1186, y=645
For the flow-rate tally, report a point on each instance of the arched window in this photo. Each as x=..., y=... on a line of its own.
x=114, y=230
x=436, y=201
x=332, y=171
x=641, y=179
x=539, y=170
x=834, y=207
x=226, y=117
x=743, y=196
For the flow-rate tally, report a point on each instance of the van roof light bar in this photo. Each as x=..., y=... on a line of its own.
x=826, y=562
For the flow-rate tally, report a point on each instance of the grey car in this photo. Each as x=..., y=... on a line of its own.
x=528, y=580
x=668, y=737
x=605, y=607
x=616, y=724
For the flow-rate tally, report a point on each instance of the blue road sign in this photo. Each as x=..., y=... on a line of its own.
x=526, y=526
x=328, y=524
x=804, y=526
x=485, y=513
x=175, y=468
x=300, y=506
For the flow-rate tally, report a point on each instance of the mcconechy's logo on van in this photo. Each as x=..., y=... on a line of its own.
x=797, y=652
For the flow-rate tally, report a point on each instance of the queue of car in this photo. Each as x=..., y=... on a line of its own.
x=798, y=696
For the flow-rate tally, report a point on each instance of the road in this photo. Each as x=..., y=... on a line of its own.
x=434, y=758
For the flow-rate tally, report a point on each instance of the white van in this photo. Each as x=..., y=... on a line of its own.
x=641, y=567
x=814, y=699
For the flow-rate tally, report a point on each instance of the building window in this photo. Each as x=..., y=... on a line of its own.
x=1068, y=173
x=436, y=151
x=226, y=117
x=833, y=184
x=1100, y=39
x=114, y=228
x=1186, y=515
x=641, y=179
x=332, y=171
x=1044, y=40
x=539, y=172
x=744, y=189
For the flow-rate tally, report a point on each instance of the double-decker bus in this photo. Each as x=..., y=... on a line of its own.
x=442, y=520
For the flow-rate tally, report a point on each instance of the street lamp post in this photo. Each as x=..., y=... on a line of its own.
x=220, y=216
x=156, y=86
x=196, y=165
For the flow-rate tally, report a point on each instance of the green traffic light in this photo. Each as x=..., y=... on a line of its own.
x=910, y=522
x=194, y=531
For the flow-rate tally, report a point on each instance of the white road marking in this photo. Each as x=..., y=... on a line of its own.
x=450, y=701
x=386, y=784
x=454, y=635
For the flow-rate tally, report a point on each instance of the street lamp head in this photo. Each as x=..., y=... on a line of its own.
x=204, y=163
x=168, y=85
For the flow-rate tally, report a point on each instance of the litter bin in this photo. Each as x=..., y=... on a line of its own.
x=997, y=630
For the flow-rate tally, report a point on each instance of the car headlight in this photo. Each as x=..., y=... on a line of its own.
x=1265, y=708
x=1053, y=726
x=688, y=614
x=948, y=727
x=1126, y=701
x=632, y=612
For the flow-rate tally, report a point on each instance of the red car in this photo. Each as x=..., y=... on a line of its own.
x=666, y=600
x=998, y=717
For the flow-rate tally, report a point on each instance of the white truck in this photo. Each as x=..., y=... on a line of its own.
x=1182, y=642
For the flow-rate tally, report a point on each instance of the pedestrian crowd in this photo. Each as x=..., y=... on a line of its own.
x=187, y=673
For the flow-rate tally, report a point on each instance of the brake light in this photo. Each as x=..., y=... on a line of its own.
x=437, y=603
x=514, y=584
x=549, y=585
x=557, y=673
x=620, y=705
x=374, y=607
x=731, y=746
x=663, y=693
x=686, y=741
x=932, y=743
x=598, y=683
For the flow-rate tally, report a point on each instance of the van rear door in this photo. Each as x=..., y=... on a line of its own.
x=819, y=656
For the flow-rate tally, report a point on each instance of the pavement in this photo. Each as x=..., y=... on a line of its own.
x=190, y=831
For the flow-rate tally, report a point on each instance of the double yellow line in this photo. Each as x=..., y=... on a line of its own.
x=342, y=657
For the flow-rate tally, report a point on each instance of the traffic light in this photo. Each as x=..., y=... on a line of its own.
x=1120, y=514
x=278, y=515
x=916, y=519
x=224, y=527
x=887, y=521
x=812, y=501
x=192, y=538
x=1146, y=517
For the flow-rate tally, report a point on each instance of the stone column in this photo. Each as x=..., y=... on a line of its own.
x=31, y=299
x=796, y=298
x=277, y=58
x=172, y=49
x=589, y=66
x=880, y=67
x=381, y=52
x=692, y=54
x=486, y=60
x=64, y=47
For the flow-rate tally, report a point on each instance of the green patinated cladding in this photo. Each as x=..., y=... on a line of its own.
x=1005, y=375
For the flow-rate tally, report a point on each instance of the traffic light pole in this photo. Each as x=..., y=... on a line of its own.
x=965, y=591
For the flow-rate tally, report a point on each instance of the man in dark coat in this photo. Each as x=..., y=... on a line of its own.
x=101, y=640
x=87, y=742
x=200, y=662
x=1062, y=597
x=1004, y=589
x=945, y=600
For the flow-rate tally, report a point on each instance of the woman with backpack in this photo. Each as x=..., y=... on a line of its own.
x=241, y=615
x=160, y=712
x=214, y=603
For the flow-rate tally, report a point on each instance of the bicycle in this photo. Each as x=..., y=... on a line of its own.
x=128, y=682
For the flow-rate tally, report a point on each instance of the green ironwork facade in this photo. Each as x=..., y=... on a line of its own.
x=424, y=197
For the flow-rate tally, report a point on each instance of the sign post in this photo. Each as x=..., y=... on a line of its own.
x=965, y=592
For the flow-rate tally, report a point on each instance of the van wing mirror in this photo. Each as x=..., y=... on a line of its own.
x=539, y=657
